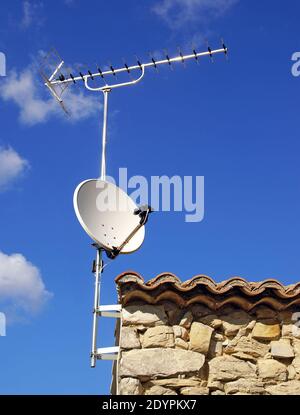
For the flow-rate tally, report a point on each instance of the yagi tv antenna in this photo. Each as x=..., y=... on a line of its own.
x=57, y=82
x=106, y=213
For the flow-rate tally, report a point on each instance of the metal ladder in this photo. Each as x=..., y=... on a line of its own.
x=112, y=311
x=110, y=353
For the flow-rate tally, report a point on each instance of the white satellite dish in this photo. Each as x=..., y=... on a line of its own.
x=108, y=216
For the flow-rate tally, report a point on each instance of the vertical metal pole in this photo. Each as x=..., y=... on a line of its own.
x=98, y=273
x=104, y=133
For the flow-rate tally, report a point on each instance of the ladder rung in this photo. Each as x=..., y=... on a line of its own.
x=108, y=353
x=110, y=310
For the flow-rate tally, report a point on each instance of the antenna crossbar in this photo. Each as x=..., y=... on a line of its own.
x=126, y=68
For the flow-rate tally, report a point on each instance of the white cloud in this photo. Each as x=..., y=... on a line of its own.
x=31, y=13
x=22, y=289
x=80, y=105
x=25, y=90
x=12, y=166
x=177, y=13
x=27, y=14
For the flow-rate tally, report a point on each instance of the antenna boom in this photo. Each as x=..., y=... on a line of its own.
x=139, y=66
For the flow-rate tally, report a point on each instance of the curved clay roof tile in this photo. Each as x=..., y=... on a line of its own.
x=203, y=289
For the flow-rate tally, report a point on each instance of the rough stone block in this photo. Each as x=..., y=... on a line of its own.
x=146, y=315
x=227, y=368
x=271, y=369
x=181, y=344
x=181, y=332
x=282, y=349
x=234, y=321
x=159, y=390
x=176, y=382
x=248, y=386
x=266, y=331
x=291, y=387
x=200, y=336
x=129, y=338
x=159, y=336
x=248, y=347
x=159, y=362
x=186, y=320
x=130, y=386
x=194, y=391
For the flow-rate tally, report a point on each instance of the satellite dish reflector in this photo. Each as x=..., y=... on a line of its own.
x=108, y=216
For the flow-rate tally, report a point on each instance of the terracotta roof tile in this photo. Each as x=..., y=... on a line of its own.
x=203, y=289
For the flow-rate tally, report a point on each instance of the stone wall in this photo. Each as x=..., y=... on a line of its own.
x=166, y=350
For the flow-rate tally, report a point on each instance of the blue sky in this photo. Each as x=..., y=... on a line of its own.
x=234, y=122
